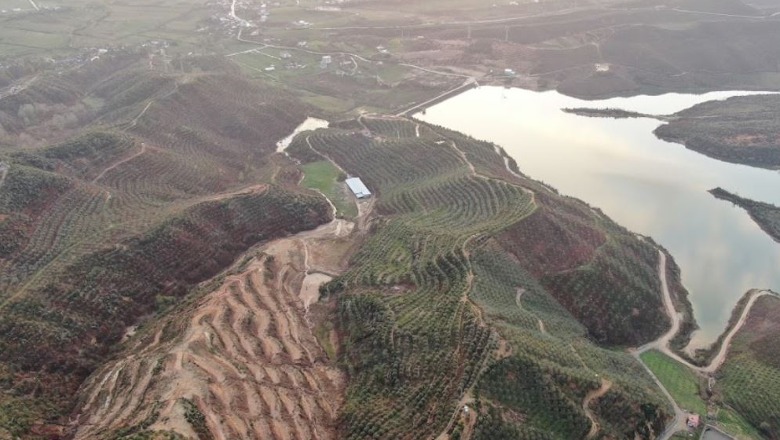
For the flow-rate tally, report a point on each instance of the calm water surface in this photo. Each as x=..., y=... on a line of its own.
x=651, y=186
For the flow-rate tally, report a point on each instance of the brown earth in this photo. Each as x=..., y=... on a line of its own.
x=247, y=359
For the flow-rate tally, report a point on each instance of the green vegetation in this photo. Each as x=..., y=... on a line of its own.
x=605, y=113
x=731, y=422
x=327, y=179
x=766, y=215
x=585, y=267
x=750, y=377
x=682, y=383
x=137, y=172
x=552, y=361
x=419, y=302
x=741, y=129
x=196, y=419
x=124, y=218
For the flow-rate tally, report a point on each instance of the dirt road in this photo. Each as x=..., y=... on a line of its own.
x=245, y=356
x=3, y=173
x=662, y=344
x=720, y=357
x=590, y=397
x=120, y=162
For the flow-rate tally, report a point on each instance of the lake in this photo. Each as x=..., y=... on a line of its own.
x=650, y=186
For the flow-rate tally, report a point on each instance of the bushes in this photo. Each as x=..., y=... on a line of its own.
x=603, y=275
x=750, y=377
x=739, y=130
x=523, y=385
x=73, y=321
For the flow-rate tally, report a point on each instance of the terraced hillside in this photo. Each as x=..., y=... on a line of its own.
x=474, y=284
x=436, y=313
x=242, y=362
x=120, y=220
x=750, y=377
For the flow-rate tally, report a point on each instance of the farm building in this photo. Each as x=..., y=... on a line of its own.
x=358, y=188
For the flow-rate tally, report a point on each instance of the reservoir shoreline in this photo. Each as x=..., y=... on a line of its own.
x=653, y=187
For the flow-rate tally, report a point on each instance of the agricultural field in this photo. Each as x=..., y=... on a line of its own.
x=243, y=355
x=67, y=29
x=160, y=262
x=326, y=178
x=431, y=308
x=750, y=377
x=118, y=211
x=682, y=383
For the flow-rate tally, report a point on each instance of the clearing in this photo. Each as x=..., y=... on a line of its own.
x=246, y=357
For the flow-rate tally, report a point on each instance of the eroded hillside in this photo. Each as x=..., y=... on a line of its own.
x=114, y=224
x=242, y=362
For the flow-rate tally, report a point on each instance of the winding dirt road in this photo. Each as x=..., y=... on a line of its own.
x=590, y=397
x=662, y=344
x=719, y=358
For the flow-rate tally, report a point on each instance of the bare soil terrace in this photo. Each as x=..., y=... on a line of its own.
x=248, y=358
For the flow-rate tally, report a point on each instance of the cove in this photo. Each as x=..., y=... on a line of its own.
x=650, y=186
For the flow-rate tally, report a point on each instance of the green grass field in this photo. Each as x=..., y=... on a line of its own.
x=324, y=177
x=682, y=383
x=732, y=423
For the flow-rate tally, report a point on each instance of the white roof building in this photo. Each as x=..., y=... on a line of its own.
x=358, y=187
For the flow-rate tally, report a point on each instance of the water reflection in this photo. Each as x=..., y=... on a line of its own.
x=651, y=186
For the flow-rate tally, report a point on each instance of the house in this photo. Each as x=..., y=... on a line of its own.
x=358, y=188
x=693, y=421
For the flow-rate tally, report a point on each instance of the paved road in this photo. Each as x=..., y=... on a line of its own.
x=468, y=83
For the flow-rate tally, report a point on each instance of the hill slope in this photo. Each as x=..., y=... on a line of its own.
x=124, y=218
x=442, y=305
x=741, y=129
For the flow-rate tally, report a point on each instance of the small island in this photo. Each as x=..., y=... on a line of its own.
x=615, y=113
